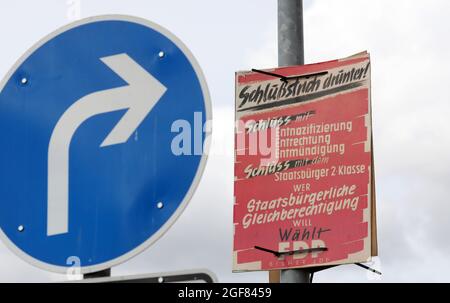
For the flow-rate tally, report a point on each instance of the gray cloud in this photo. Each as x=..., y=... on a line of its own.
x=410, y=75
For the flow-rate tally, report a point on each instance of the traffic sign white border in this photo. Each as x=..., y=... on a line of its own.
x=200, y=169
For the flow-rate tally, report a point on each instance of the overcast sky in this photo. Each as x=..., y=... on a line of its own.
x=409, y=47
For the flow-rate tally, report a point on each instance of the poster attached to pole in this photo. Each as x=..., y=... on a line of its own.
x=304, y=178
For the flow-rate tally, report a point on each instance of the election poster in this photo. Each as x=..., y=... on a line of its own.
x=304, y=192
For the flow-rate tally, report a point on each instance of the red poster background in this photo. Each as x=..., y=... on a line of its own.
x=345, y=232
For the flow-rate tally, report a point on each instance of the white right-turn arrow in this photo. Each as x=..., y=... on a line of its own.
x=139, y=96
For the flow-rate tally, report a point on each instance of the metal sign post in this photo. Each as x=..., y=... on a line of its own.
x=290, y=33
x=291, y=52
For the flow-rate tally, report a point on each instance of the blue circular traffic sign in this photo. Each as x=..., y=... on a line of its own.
x=87, y=165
